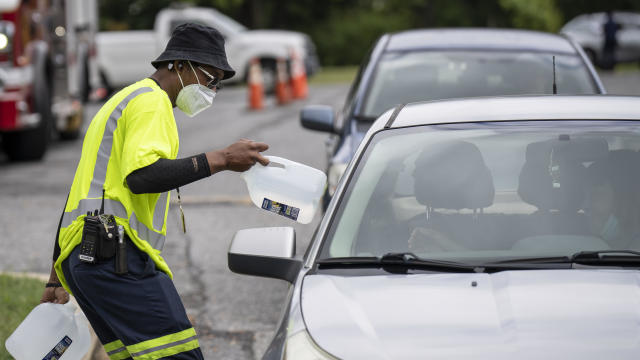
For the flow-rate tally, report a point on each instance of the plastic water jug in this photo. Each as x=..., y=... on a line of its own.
x=286, y=188
x=51, y=331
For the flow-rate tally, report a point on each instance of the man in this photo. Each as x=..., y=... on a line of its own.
x=610, y=29
x=128, y=165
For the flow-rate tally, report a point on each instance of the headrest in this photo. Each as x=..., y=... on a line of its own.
x=553, y=175
x=453, y=175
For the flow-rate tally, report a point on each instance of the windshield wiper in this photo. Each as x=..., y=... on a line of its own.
x=411, y=261
x=395, y=260
x=607, y=257
x=536, y=260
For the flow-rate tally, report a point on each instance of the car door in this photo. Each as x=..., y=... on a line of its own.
x=628, y=38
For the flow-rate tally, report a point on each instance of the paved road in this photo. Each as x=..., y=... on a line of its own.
x=235, y=315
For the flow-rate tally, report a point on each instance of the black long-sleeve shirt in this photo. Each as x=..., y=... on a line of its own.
x=163, y=175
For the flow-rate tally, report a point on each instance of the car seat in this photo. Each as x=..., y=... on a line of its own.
x=454, y=176
x=553, y=179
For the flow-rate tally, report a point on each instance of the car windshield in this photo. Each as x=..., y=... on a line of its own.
x=403, y=77
x=492, y=191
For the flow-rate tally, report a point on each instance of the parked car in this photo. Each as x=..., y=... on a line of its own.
x=587, y=30
x=47, y=69
x=448, y=63
x=489, y=228
x=136, y=49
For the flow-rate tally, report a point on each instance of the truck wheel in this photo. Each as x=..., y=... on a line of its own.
x=31, y=144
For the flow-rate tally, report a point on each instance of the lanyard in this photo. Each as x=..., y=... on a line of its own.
x=184, y=226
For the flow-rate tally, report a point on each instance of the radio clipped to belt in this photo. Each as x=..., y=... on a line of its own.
x=102, y=239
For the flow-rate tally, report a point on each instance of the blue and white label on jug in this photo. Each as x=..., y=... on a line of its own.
x=59, y=349
x=281, y=209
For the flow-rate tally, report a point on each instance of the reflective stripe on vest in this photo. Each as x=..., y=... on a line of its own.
x=104, y=151
x=114, y=207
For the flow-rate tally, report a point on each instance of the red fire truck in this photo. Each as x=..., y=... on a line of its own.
x=47, y=69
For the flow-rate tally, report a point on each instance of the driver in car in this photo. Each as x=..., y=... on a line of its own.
x=612, y=200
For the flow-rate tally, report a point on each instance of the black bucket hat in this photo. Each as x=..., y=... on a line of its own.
x=197, y=43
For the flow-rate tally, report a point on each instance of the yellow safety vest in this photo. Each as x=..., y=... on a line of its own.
x=133, y=129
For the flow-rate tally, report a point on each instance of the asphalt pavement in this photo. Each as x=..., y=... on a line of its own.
x=234, y=315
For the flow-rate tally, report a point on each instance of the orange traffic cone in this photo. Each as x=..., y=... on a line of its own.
x=282, y=82
x=298, y=77
x=256, y=90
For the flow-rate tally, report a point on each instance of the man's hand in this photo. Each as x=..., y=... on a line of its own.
x=239, y=156
x=56, y=295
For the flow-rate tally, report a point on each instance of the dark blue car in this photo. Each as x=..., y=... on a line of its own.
x=421, y=65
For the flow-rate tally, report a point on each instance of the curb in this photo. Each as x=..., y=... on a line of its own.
x=96, y=351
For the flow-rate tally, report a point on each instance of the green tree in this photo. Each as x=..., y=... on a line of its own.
x=536, y=15
x=344, y=29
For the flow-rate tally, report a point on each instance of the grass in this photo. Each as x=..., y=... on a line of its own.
x=628, y=67
x=334, y=75
x=18, y=296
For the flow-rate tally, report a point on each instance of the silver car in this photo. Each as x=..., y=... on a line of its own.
x=587, y=30
x=487, y=228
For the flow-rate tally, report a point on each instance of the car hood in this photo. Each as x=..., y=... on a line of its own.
x=290, y=38
x=551, y=314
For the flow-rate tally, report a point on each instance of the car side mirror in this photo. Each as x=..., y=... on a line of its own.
x=268, y=252
x=317, y=117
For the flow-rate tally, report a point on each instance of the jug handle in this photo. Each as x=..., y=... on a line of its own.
x=276, y=164
x=71, y=306
x=272, y=164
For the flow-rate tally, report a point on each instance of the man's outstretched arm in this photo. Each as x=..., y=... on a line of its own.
x=164, y=174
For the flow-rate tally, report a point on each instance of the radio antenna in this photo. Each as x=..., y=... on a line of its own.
x=102, y=203
x=555, y=87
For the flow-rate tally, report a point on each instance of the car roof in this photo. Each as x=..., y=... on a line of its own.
x=479, y=38
x=599, y=16
x=536, y=107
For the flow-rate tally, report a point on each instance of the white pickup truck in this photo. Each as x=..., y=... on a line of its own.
x=125, y=56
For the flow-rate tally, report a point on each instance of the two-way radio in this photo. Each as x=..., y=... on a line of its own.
x=99, y=236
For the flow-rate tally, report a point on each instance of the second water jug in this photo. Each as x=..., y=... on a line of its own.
x=51, y=331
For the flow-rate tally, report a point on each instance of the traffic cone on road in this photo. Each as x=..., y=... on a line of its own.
x=283, y=93
x=256, y=89
x=298, y=77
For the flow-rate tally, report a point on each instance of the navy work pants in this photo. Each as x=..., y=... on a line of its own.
x=138, y=315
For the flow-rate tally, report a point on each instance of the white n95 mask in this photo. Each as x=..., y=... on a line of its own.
x=194, y=98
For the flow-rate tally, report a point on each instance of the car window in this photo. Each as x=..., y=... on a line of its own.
x=492, y=190
x=349, y=102
x=629, y=21
x=584, y=26
x=403, y=77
